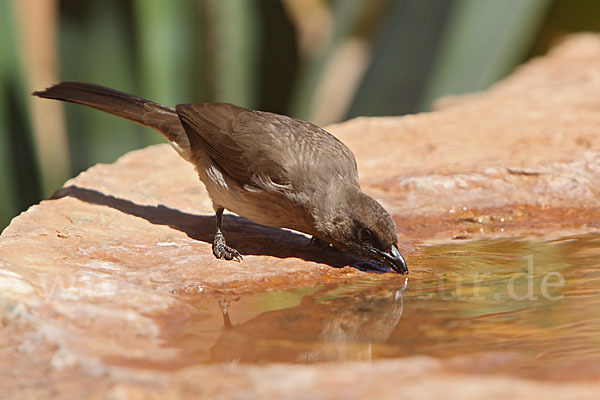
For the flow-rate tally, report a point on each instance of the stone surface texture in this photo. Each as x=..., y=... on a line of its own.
x=82, y=274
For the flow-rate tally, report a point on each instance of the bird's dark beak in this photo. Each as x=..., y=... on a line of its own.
x=394, y=260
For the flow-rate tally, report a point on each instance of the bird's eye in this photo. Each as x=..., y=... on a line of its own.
x=365, y=234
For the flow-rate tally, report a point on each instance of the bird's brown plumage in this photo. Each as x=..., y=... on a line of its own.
x=251, y=146
x=269, y=168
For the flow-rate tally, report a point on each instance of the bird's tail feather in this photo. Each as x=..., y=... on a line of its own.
x=161, y=118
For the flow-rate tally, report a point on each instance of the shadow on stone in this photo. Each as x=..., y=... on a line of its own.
x=245, y=236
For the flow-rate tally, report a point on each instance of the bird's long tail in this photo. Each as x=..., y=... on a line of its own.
x=161, y=118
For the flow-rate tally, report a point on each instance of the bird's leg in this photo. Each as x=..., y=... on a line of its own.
x=220, y=248
x=225, y=311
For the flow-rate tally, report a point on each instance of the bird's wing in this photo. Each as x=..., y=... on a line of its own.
x=263, y=149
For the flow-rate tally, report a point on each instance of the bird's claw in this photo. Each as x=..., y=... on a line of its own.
x=222, y=251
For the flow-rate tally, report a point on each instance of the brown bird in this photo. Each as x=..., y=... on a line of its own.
x=271, y=169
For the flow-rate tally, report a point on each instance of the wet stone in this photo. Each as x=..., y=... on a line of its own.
x=473, y=307
x=110, y=289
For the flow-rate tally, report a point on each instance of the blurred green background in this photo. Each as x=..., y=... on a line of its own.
x=320, y=60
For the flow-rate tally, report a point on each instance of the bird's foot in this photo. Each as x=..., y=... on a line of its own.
x=222, y=251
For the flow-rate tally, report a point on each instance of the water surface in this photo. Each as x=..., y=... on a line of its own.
x=509, y=306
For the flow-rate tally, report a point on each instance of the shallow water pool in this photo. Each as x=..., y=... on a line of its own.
x=513, y=306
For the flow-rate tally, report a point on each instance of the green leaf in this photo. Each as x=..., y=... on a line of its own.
x=483, y=41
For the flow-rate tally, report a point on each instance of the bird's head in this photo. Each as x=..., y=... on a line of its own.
x=364, y=228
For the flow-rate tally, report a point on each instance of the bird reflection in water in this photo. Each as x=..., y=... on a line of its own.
x=334, y=324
